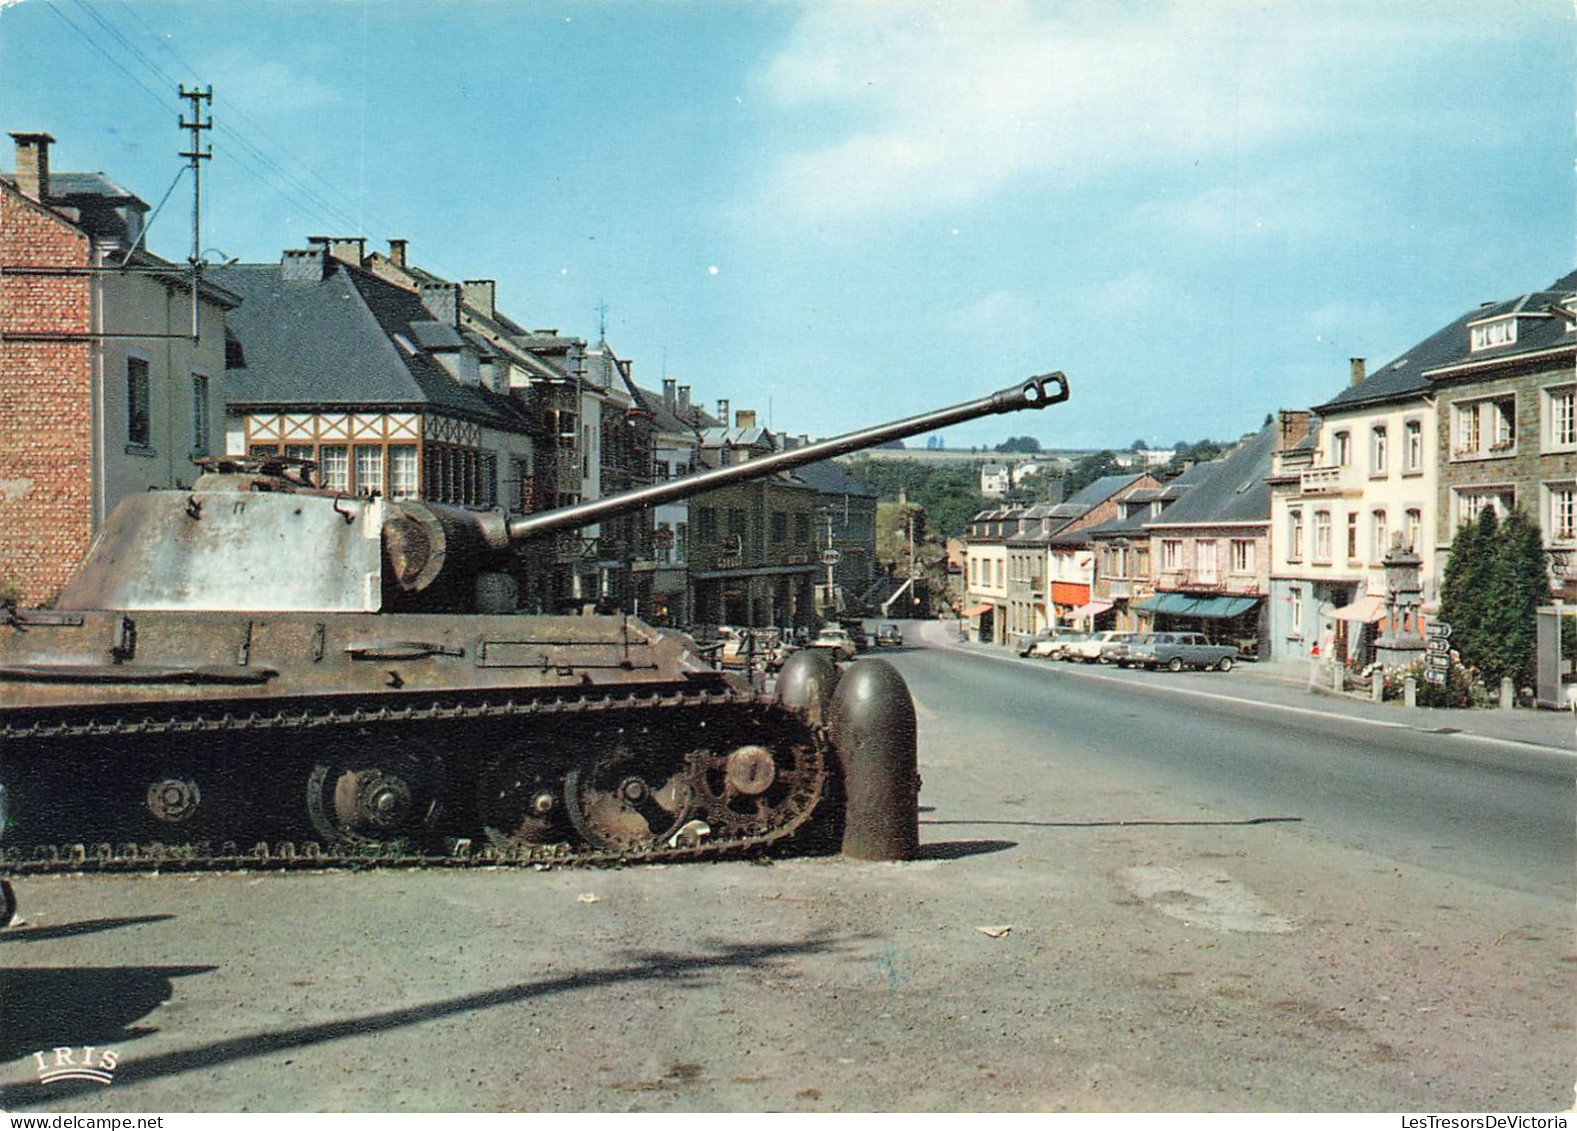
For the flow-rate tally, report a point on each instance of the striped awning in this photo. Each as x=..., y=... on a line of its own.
x=979, y=610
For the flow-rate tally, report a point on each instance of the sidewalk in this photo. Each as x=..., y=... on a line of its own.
x=1286, y=684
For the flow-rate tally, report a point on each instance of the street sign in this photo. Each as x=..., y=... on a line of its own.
x=1437, y=663
x=831, y=557
x=1432, y=676
x=1438, y=629
x=1438, y=644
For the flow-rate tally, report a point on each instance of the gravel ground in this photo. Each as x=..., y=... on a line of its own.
x=1042, y=955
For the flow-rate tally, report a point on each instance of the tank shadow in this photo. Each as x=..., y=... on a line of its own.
x=43, y=1007
x=673, y=969
x=71, y=930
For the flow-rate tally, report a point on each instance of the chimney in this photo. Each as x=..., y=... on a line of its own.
x=1294, y=427
x=745, y=418
x=397, y=252
x=670, y=392
x=442, y=301
x=1357, y=369
x=303, y=265
x=482, y=294
x=32, y=164
x=722, y=411
x=684, y=398
x=347, y=249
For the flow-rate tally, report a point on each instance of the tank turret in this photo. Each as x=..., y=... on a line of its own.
x=258, y=661
x=256, y=533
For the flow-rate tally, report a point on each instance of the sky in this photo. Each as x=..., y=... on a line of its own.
x=843, y=213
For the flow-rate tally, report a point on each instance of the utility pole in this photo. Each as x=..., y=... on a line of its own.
x=197, y=154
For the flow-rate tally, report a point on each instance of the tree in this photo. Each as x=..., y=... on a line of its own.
x=1462, y=583
x=1494, y=581
x=1138, y=446
x=1027, y=444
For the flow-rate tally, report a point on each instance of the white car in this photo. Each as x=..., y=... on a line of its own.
x=836, y=641
x=1089, y=649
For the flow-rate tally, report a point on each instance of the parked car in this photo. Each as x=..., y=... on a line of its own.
x=836, y=641
x=1057, y=647
x=1175, y=651
x=889, y=636
x=1089, y=649
x=1031, y=645
x=1115, y=650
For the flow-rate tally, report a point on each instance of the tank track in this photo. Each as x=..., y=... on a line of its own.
x=227, y=856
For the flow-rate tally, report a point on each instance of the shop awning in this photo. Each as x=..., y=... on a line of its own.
x=978, y=610
x=1094, y=608
x=1222, y=608
x=1184, y=605
x=1365, y=608
x=1173, y=603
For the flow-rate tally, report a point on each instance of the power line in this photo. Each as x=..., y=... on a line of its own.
x=116, y=63
x=256, y=163
x=234, y=109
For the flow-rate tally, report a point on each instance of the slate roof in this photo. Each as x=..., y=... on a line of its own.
x=1408, y=375
x=331, y=343
x=687, y=419
x=1168, y=493
x=1100, y=490
x=830, y=478
x=64, y=186
x=1233, y=490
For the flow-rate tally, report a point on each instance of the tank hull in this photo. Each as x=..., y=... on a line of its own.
x=203, y=737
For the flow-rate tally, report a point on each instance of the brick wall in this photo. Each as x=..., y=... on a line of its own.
x=45, y=408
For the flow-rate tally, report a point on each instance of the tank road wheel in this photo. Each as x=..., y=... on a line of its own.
x=375, y=798
x=192, y=798
x=754, y=790
x=519, y=802
x=628, y=797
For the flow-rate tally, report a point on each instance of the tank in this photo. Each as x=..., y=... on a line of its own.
x=259, y=672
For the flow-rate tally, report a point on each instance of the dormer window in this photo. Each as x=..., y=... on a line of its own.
x=1493, y=334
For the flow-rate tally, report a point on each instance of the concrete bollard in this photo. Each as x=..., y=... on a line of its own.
x=1508, y=693
x=1410, y=692
x=1338, y=680
x=1377, y=685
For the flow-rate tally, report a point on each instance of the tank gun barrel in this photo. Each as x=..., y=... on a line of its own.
x=1034, y=393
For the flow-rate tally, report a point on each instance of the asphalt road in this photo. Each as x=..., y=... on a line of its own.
x=1448, y=801
x=1128, y=899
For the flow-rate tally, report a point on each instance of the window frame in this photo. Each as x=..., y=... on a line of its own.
x=1554, y=491
x=139, y=401
x=1551, y=396
x=1413, y=446
x=202, y=412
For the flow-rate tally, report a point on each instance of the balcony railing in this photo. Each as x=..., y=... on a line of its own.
x=1121, y=588
x=1318, y=480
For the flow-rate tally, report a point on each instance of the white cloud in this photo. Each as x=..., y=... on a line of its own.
x=266, y=87
x=935, y=106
